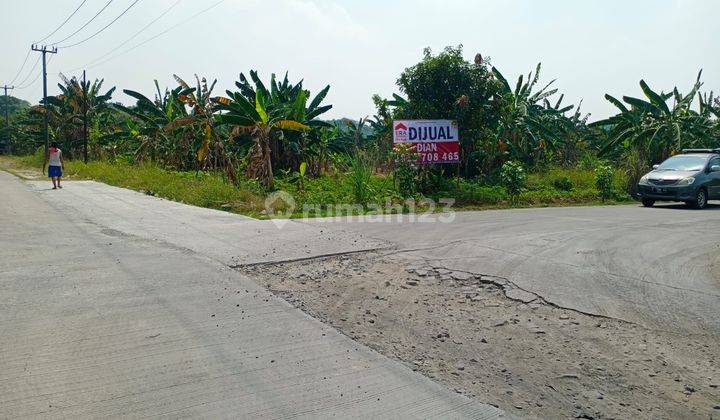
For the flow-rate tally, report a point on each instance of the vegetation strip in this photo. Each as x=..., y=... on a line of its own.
x=520, y=143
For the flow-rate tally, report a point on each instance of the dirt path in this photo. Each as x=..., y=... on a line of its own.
x=481, y=337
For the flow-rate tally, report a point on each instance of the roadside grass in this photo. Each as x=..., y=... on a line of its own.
x=556, y=186
x=203, y=189
x=319, y=197
x=19, y=167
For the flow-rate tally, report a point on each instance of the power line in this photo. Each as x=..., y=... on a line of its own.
x=131, y=38
x=21, y=67
x=101, y=30
x=22, y=86
x=158, y=35
x=85, y=25
x=37, y=77
x=64, y=22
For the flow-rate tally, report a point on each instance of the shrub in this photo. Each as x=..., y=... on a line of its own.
x=588, y=162
x=405, y=169
x=634, y=166
x=36, y=159
x=563, y=184
x=360, y=178
x=604, y=176
x=512, y=178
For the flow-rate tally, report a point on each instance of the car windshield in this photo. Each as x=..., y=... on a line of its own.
x=683, y=163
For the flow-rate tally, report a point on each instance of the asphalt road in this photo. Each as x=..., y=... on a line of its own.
x=116, y=304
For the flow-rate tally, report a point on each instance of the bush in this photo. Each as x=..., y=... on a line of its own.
x=512, y=178
x=589, y=162
x=36, y=159
x=360, y=178
x=563, y=184
x=634, y=166
x=405, y=169
x=604, y=177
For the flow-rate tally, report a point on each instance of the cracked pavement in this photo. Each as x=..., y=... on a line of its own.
x=484, y=337
x=658, y=267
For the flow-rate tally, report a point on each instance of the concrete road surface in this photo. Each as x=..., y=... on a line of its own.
x=115, y=304
x=658, y=267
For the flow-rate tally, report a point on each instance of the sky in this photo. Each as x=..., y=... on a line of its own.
x=360, y=47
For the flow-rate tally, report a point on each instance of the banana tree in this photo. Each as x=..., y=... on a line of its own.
x=528, y=123
x=78, y=102
x=382, y=122
x=260, y=120
x=328, y=150
x=656, y=129
x=212, y=150
x=159, y=126
x=294, y=103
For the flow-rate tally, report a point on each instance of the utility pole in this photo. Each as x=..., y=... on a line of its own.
x=7, y=117
x=85, y=114
x=44, y=50
x=8, y=149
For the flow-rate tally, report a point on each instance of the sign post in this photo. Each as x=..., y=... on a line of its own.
x=435, y=141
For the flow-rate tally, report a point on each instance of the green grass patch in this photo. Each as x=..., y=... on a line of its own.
x=552, y=187
x=204, y=189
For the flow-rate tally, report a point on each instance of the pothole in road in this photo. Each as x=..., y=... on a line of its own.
x=486, y=338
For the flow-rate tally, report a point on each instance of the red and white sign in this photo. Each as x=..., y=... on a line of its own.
x=436, y=141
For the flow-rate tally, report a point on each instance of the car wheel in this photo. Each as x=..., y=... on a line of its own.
x=648, y=202
x=700, y=201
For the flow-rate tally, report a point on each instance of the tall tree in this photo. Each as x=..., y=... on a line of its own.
x=446, y=86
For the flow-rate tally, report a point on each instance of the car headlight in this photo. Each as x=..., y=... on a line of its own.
x=644, y=179
x=686, y=181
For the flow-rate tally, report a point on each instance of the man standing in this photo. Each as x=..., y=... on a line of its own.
x=55, y=159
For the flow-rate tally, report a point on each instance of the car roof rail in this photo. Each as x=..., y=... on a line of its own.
x=701, y=151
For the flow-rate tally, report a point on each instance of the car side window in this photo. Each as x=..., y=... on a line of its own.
x=713, y=162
